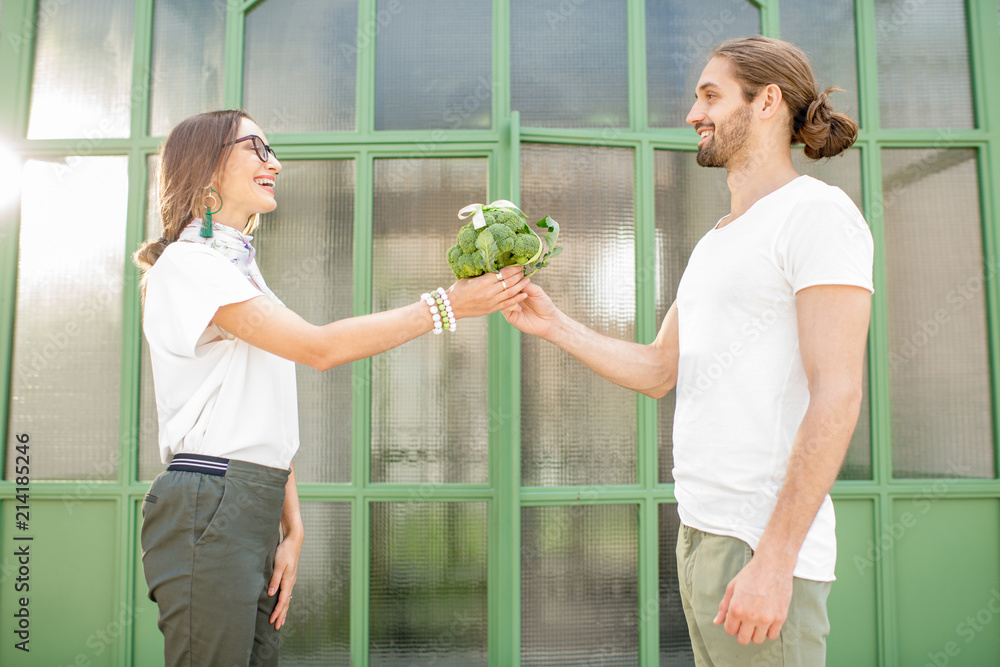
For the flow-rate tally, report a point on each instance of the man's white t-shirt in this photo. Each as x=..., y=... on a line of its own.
x=215, y=394
x=741, y=387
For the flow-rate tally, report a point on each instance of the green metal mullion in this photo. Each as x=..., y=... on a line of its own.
x=501, y=66
x=648, y=613
x=131, y=360
x=638, y=105
x=886, y=628
x=361, y=411
x=335, y=140
x=985, y=168
x=83, y=146
x=770, y=23
x=621, y=137
x=878, y=345
x=505, y=447
x=131, y=363
x=974, y=22
x=985, y=47
x=881, y=407
x=15, y=84
x=232, y=90
x=646, y=408
x=16, y=71
x=868, y=98
x=360, y=572
x=142, y=55
x=590, y=495
x=364, y=101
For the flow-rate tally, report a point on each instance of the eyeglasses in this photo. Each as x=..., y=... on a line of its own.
x=259, y=147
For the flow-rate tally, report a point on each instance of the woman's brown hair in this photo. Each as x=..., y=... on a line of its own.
x=193, y=154
x=758, y=61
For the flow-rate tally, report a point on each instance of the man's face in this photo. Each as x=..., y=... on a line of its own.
x=721, y=117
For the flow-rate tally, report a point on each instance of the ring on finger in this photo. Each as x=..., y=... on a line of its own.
x=499, y=277
x=504, y=283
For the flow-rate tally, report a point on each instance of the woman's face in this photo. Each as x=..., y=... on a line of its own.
x=247, y=184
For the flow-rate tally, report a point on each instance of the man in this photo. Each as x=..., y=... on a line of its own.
x=781, y=289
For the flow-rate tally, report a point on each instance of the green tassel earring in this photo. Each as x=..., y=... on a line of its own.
x=206, y=222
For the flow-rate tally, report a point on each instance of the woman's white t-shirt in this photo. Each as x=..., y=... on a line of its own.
x=742, y=390
x=215, y=394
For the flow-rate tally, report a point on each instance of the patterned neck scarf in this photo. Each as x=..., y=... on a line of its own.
x=234, y=246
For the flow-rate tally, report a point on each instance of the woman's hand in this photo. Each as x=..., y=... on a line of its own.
x=488, y=293
x=286, y=567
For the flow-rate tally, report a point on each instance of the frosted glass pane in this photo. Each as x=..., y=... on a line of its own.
x=429, y=409
x=300, y=62
x=844, y=171
x=675, y=643
x=318, y=630
x=824, y=29
x=569, y=63
x=428, y=584
x=923, y=64
x=305, y=252
x=938, y=355
x=67, y=333
x=189, y=38
x=433, y=66
x=577, y=428
x=81, y=86
x=579, y=585
x=689, y=201
x=680, y=35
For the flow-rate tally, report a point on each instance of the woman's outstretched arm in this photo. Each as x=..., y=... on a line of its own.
x=270, y=326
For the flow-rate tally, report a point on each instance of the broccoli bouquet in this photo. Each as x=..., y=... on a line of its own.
x=497, y=236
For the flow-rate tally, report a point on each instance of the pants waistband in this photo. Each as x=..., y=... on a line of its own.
x=209, y=465
x=230, y=468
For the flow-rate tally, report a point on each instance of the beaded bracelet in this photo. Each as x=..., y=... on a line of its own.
x=440, y=309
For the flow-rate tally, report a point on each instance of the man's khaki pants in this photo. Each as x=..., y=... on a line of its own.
x=706, y=564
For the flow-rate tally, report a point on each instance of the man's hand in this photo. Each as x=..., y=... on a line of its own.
x=286, y=567
x=756, y=602
x=535, y=315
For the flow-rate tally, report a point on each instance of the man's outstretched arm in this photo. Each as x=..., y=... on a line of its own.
x=648, y=369
x=833, y=327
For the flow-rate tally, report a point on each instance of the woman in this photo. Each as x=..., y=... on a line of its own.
x=223, y=349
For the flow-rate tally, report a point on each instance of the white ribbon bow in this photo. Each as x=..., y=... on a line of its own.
x=476, y=211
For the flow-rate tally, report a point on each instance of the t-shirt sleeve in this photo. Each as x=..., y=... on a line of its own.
x=184, y=289
x=827, y=242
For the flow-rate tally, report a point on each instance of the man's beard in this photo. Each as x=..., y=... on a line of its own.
x=724, y=149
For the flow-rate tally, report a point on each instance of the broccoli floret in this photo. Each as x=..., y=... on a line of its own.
x=477, y=262
x=511, y=219
x=490, y=218
x=467, y=239
x=525, y=246
x=454, y=253
x=504, y=238
x=465, y=268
